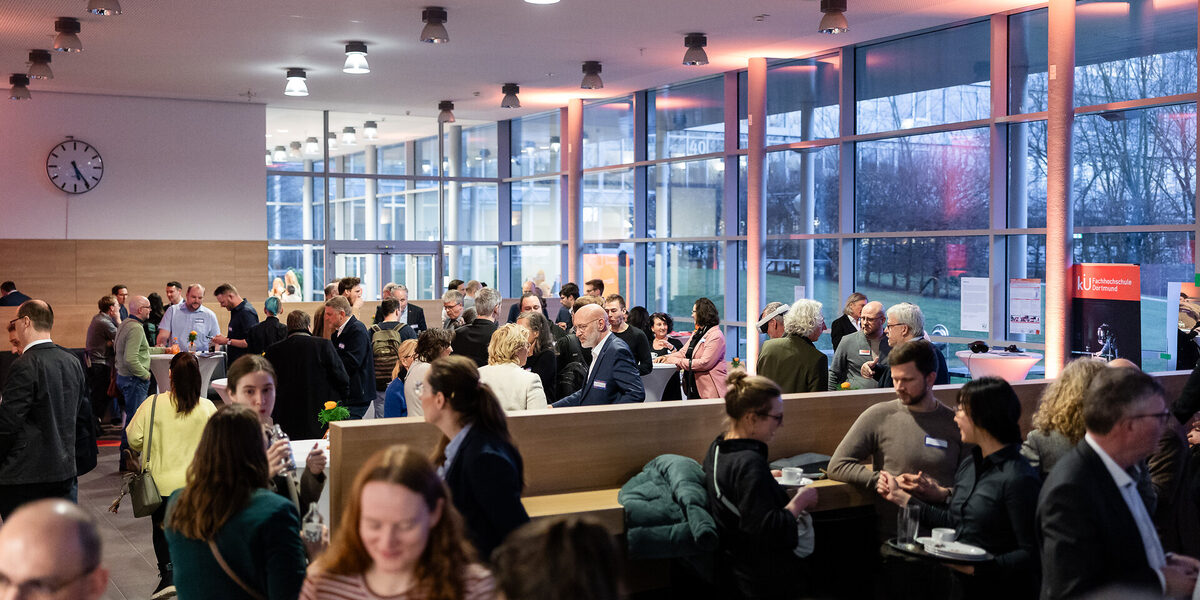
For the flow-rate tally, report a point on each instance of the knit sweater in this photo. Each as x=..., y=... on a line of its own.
x=133, y=353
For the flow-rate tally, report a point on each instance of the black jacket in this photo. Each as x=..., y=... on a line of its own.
x=883, y=373
x=485, y=481
x=755, y=558
x=515, y=310
x=15, y=298
x=354, y=348
x=1088, y=537
x=639, y=346
x=472, y=340
x=416, y=318
x=308, y=373
x=42, y=401
x=265, y=334
x=840, y=328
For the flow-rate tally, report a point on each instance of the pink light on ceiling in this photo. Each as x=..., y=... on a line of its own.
x=1103, y=9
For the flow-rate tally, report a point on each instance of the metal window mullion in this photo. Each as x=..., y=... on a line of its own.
x=637, y=274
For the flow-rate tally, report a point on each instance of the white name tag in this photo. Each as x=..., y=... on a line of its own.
x=342, y=346
x=933, y=442
x=864, y=352
x=598, y=385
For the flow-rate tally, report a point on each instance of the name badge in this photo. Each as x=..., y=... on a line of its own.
x=343, y=347
x=933, y=442
x=598, y=385
x=864, y=352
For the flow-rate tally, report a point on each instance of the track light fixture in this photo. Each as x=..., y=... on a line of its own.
x=356, y=59
x=510, y=91
x=39, y=65
x=695, y=55
x=280, y=154
x=20, y=87
x=445, y=111
x=294, y=149
x=67, y=39
x=105, y=8
x=834, y=20
x=331, y=138
x=434, y=31
x=312, y=146
x=591, y=75
x=349, y=136
x=370, y=131
x=296, y=84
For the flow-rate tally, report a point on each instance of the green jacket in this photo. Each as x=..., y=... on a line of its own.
x=666, y=510
x=132, y=350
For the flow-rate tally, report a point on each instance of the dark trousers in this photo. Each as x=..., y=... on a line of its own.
x=357, y=411
x=158, y=537
x=98, y=378
x=13, y=496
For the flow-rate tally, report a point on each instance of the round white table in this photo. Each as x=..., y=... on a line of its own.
x=656, y=381
x=160, y=365
x=222, y=387
x=1009, y=366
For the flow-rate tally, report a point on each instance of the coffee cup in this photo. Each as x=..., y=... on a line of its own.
x=793, y=475
x=943, y=534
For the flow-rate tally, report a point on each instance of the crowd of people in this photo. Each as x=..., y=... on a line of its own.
x=1102, y=494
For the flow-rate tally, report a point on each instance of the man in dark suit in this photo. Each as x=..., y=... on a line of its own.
x=472, y=340
x=848, y=322
x=613, y=376
x=43, y=400
x=411, y=314
x=9, y=296
x=1094, y=528
x=353, y=345
x=308, y=373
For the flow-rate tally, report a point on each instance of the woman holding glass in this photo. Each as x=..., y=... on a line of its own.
x=703, y=359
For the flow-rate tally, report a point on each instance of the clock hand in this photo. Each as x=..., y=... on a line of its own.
x=78, y=175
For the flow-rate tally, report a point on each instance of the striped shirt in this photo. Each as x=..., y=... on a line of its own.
x=478, y=585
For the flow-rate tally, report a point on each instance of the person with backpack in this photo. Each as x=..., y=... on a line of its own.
x=386, y=337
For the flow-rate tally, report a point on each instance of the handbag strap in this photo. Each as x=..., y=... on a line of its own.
x=212, y=545
x=150, y=436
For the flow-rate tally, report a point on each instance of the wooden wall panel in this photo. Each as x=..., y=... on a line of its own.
x=41, y=268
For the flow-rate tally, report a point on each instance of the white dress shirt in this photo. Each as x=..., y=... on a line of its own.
x=1128, y=487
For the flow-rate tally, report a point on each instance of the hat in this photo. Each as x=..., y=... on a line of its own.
x=779, y=310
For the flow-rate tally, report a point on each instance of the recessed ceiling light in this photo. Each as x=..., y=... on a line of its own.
x=434, y=31
x=356, y=59
x=296, y=85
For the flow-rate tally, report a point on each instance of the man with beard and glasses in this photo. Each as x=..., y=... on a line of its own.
x=613, y=375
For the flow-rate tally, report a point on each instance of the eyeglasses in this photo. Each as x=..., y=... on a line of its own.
x=1162, y=416
x=583, y=326
x=778, y=418
x=891, y=325
x=39, y=588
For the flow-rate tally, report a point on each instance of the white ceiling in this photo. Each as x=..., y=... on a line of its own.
x=226, y=49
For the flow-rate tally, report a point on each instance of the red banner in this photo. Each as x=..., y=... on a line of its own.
x=1108, y=281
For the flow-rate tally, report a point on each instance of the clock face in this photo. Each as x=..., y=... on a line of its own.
x=74, y=167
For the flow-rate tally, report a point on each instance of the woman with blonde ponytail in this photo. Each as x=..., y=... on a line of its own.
x=757, y=524
x=476, y=456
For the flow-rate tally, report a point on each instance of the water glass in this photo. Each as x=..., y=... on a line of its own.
x=908, y=519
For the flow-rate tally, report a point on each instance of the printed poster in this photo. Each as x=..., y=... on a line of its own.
x=1106, y=312
x=974, y=305
x=1025, y=306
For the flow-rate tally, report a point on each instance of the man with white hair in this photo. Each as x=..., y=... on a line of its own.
x=770, y=321
x=793, y=361
x=863, y=346
x=905, y=322
x=472, y=340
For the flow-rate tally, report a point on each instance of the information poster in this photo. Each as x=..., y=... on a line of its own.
x=1183, y=325
x=974, y=307
x=798, y=293
x=1106, y=312
x=1025, y=306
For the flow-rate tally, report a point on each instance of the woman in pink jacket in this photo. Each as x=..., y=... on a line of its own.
x=702, y=360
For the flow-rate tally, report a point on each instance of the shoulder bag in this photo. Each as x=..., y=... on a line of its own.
x=212, y=545
x=143, y=492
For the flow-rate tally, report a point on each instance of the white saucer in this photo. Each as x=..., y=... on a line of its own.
x=956, y=550
x=803, y=482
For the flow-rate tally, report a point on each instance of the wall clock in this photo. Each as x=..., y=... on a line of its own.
x=74, y=167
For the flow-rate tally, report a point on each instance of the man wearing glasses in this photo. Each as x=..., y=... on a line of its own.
x=868, y=344
x=43, y=397
x=613, y=376
x=51, y=549
x=905, y=322
x=1094, y=529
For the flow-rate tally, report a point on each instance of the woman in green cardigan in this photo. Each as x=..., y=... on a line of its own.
x=229, y=536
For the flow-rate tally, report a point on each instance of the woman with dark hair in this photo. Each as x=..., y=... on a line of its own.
x=400, y=537
x=703, y=359
x=432, y=344
x=640, y=317
x=559, y=557
x=994, y=497
x=476, y=456
x=542, y=360
x=757, y=523
x=662, y=344
x=229, y=536
x=179, y=419
x=150, y=325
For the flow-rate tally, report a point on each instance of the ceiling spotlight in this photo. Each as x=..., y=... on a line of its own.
x=445, y=111
x=356, y=59
x=591, y=75
x=280, y=154
x=312, y=146
x=104, y=7
x=294, y=149
x=434, y=31
x=349, y=138
x=834, y=20
x=510, y=91
x=695, y=55
x=20, y=87
x=67, y=39
x=555, y=143
x=39, y=65
x=371, y=130
x=296, y=85
x=541, y=1
x=332, y=140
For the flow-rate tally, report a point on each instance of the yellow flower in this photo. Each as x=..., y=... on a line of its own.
x=330, y=405
x=845, y=385
x=193, y=332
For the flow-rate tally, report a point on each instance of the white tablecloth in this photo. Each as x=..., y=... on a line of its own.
x=656, y=381
x=222, y=387
x=160, y=365
x=1009, y=366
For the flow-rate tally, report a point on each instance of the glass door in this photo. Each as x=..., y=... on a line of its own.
x=415, y=265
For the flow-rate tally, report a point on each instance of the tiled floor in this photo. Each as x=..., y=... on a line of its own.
x=128, y=552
